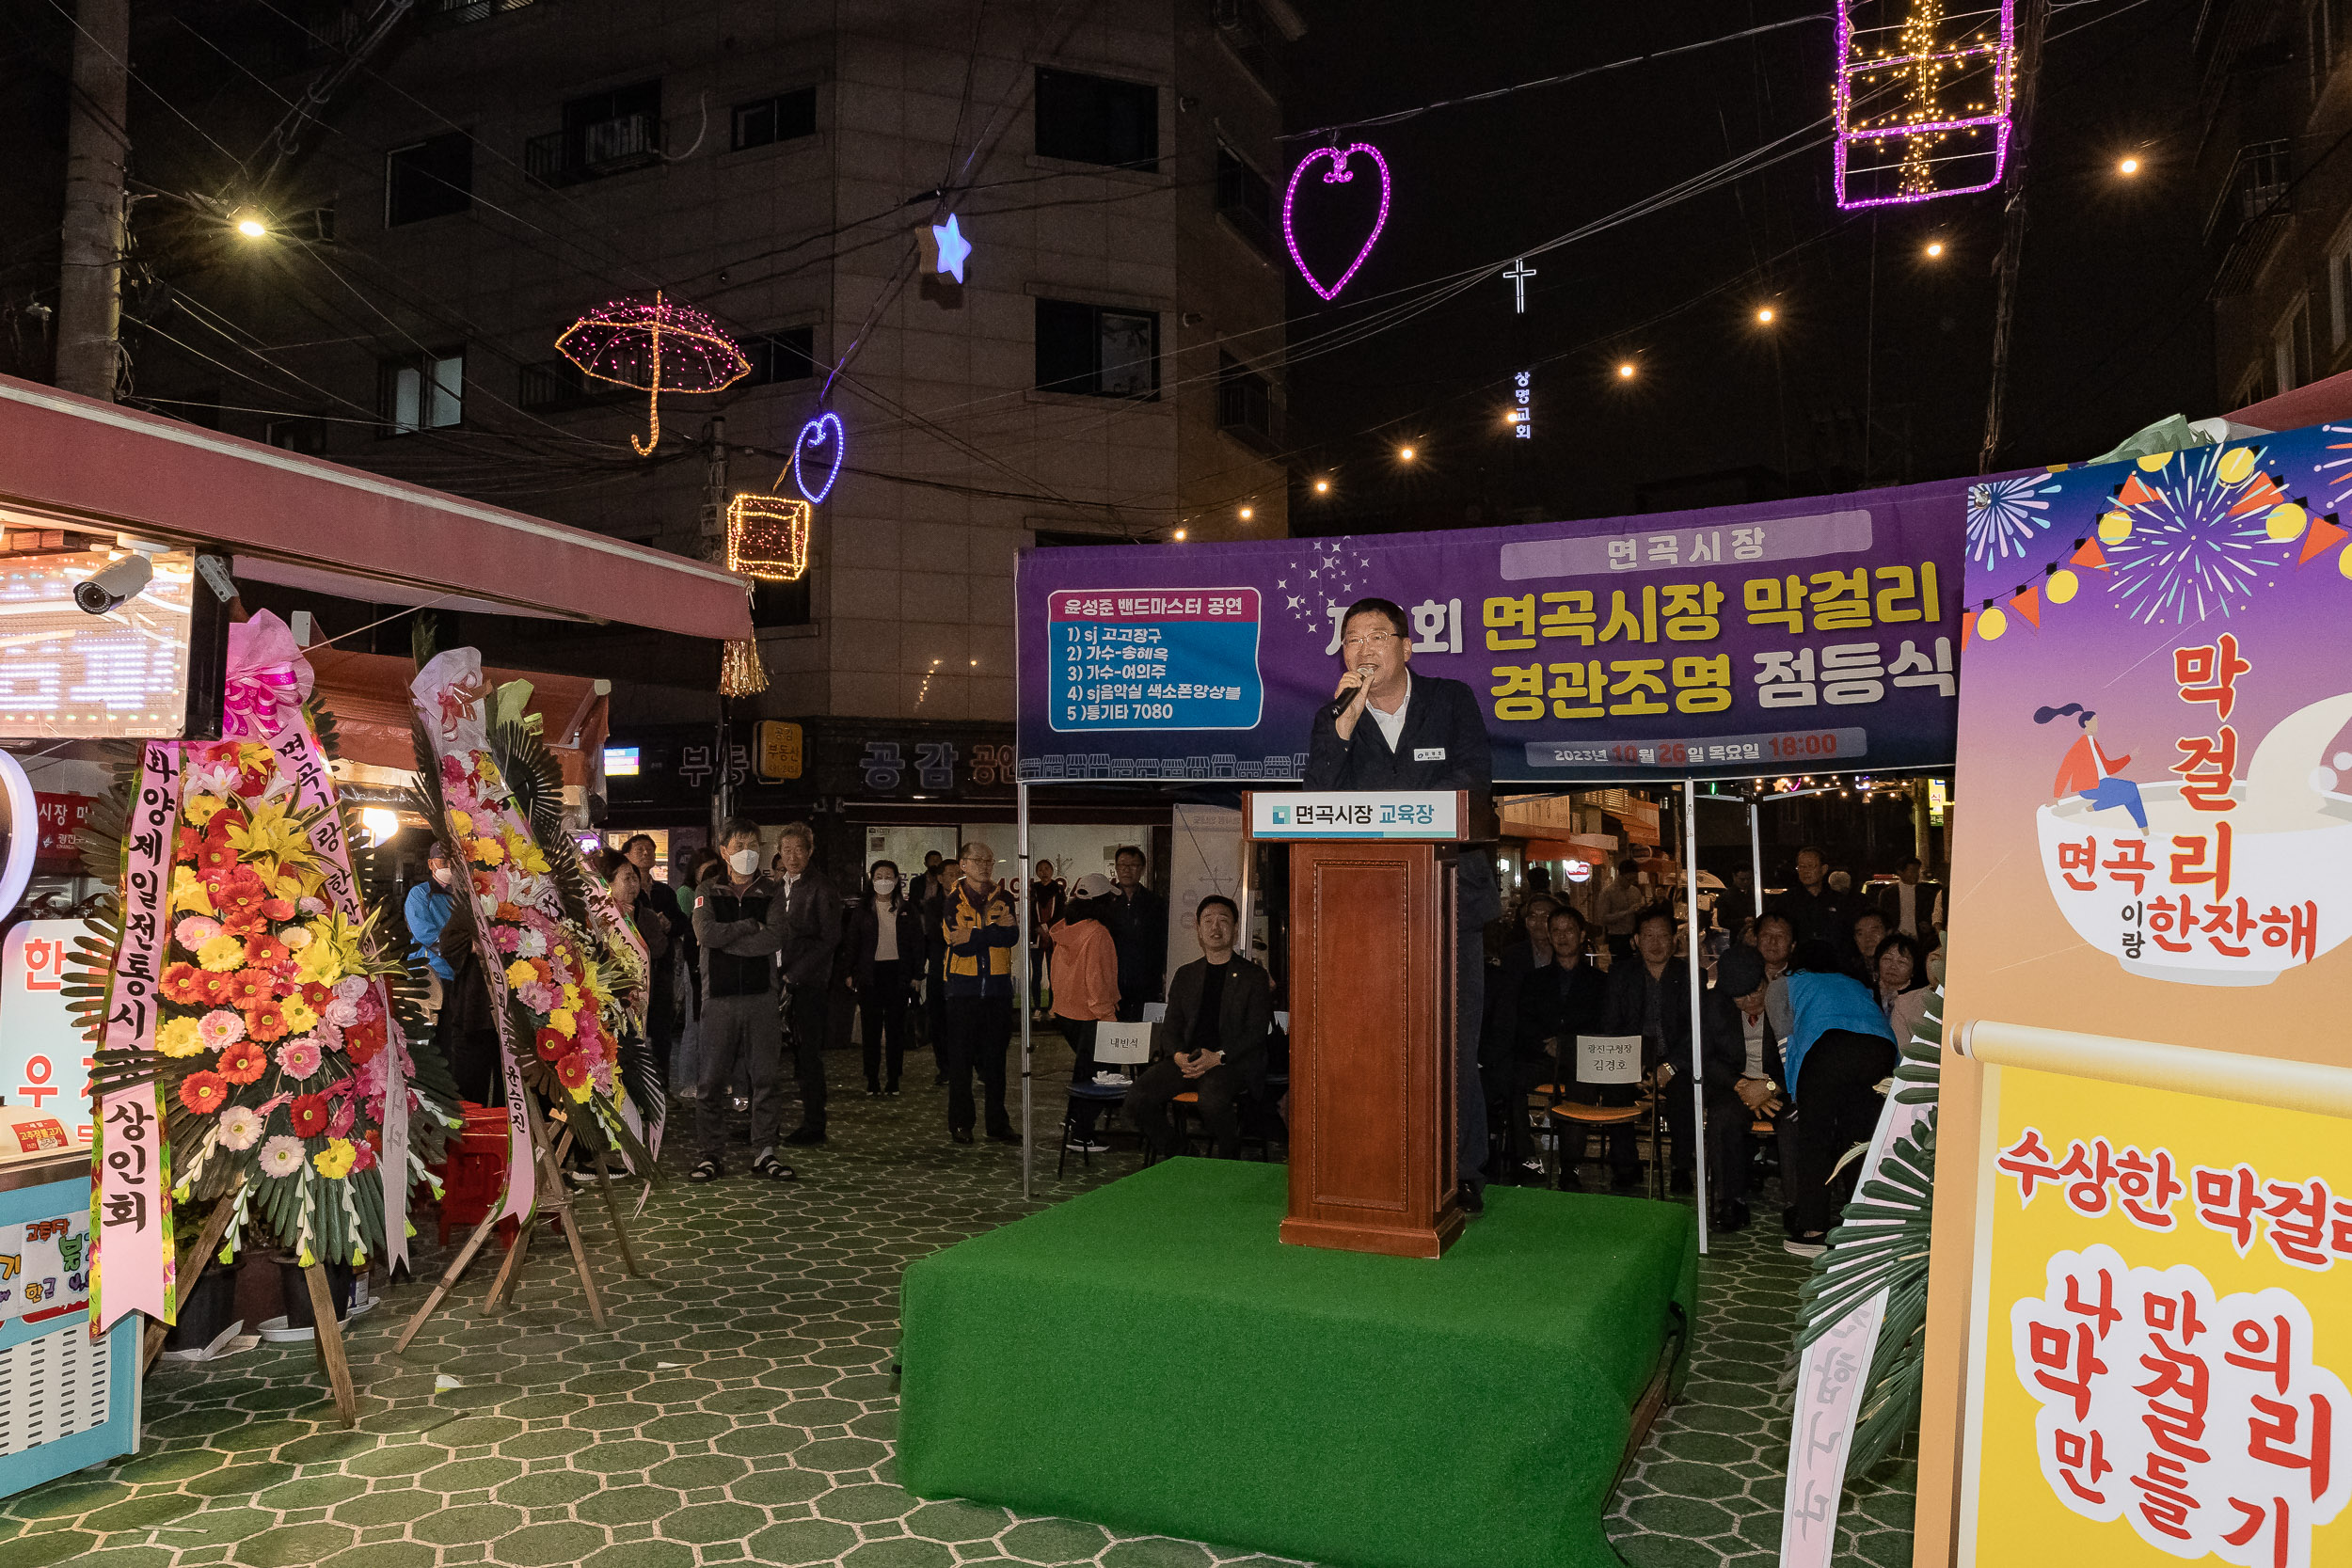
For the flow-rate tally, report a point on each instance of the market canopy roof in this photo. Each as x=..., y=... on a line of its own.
x=77, y=462
x=368, y=694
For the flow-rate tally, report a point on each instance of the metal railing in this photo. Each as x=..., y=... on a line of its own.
x=594, y=151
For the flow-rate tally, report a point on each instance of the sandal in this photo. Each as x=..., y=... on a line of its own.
x=773, y=1169
x=705, y=1170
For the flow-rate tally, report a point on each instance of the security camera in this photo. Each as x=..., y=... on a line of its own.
x=114, y=584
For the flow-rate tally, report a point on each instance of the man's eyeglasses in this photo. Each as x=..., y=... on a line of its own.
x=1368, y=640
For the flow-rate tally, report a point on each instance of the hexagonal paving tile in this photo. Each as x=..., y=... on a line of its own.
x=741, y=1408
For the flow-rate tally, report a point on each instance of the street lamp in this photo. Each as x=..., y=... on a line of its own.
x=1935, y=249
x=1246, y=512
x=2128, y=168
x=249, y=222
x=1764, y=316
x=1404, y=454
x=1625, y=370
x=1323, y=487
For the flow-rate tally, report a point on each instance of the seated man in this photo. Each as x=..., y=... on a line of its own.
x=1651, y=997
x=1219, y=1007
x=1558, y=1000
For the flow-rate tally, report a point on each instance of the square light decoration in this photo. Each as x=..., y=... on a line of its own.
x=767, y=536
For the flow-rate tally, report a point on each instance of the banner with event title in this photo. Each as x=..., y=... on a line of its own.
x=2156, y=754
x=1813, y=634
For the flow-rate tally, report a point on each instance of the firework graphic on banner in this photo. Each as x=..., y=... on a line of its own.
x=2333, y=473
x=2004, y=515
x=2193, y=534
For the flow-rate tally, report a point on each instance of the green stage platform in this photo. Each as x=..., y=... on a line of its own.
x=1150, y=1356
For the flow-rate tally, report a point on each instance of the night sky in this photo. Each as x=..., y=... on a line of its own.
x=2112, y=328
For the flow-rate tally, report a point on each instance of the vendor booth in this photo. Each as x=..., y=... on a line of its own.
x=124, y=538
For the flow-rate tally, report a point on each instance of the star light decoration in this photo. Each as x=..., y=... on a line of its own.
x=950, y=248
x=1338, y=174
x=1922, y=98
x=663, y=345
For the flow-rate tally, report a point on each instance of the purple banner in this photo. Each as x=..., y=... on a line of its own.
x=1783, y=636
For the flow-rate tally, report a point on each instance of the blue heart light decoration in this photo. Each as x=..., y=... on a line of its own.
x=814, y=433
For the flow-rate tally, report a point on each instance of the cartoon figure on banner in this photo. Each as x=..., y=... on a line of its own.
x=2089, y=771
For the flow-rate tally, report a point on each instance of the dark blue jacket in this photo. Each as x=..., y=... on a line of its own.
x=1443, y=746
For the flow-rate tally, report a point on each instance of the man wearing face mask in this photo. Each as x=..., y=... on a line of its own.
x=740, y=921
x=427, y=909
x=812, y=929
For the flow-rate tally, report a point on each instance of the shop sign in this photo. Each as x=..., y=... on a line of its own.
x=71, y=674
x=45, y=1056
x=780, y=750
x=61, y=818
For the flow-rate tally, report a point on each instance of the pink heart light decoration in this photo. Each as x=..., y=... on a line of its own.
x=1339, y=174
x=824, y=427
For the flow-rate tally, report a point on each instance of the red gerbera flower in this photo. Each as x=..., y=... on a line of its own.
x=186, y=844
x=248, y=988
x=316, y=996
x=265, y=1023
x=552, y=1046
x=181, y=984
x=216, y=854
x=264, y=951
x=482, y=883
x=278, y=909
x=362, y=1158
x=238, y=896
x=308, y=1113
x=362, y=1041
x=573, y=1070
x=203, y=1092
x=212, y=987
x=244, y=1062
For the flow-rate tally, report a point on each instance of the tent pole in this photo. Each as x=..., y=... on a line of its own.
x=1027, y=997
x=1756, y=854
x=1698, y=1070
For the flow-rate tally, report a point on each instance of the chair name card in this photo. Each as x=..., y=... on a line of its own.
x=1403, y=813
x=1607, y=1059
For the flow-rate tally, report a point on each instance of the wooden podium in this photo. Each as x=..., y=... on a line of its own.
x=1372, y=915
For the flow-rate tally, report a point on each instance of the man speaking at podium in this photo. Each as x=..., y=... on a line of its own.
x=1424, y=733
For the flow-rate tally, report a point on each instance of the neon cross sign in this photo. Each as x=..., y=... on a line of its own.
x=1338, y=174
x=1519, y=272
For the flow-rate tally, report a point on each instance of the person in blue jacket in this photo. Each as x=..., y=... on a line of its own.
x=428, y=909
x=1836, y=1050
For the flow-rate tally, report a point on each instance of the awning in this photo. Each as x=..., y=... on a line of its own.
x=368, y=694
x=77, y=462
x=2316, y=404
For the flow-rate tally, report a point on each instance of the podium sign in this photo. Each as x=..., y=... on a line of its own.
x=1433, y=815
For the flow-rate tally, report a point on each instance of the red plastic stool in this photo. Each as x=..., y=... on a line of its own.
x=475, y=1173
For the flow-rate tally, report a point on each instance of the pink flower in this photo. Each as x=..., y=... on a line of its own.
x=299, y=1058
x=342, y=1014
x=340, y=1120
x=220, y=1028
x=195, y=930
x=352, y=987
x=311, y=905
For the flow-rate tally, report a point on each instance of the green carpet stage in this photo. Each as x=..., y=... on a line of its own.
x=1150, y=1356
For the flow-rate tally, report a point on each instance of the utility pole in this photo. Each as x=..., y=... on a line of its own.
x=94, y=235
x=2031, y=23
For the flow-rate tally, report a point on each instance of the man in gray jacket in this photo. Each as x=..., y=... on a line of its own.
x=739, y=922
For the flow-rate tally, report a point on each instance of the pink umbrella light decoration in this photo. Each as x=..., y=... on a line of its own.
x=662, y=344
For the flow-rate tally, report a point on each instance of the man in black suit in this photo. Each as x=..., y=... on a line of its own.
x=1816, y=911
x=1212, y=1042
x=1910, y=904
x=1385, y=730
x=812, y=931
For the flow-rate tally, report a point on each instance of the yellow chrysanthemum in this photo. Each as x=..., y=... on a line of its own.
x=223, y=953
x=201, y=809
x=571, y=997
x=300, y=1020
x=335, y=1160
x=461, y=823
x=188, y=894
x=521, y=973
x=180, y=1036
x=486, y=852
x=564, y=1021
x=531, y=857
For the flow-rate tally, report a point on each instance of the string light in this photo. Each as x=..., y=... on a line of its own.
x=1180, y=532
x=1339, y=174
x=631, y=343
x=767, y=536
x=1935, y=249
x=2128, y=168
x=1625, y=370
x=825, y=426
x=1247, y=513
x=1901, y=100
x=1323, y=487
x=1764, y=315
x=1404, y=454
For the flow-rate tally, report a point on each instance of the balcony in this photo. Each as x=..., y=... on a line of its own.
x=2250, y=214
x=594, y=151
x=1245, y=409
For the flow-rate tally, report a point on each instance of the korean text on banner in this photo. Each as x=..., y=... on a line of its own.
x=45, y=1053
x=2157, y=848
x=131, y=1162
x=1721, y=643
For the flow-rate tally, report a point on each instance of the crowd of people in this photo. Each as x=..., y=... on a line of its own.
x=1800, y=1013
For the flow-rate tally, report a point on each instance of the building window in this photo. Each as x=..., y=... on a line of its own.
x=2290, y=346
x=1094, y=120
x=560, y=384
x=1245, y=403
x=1244, y=199
x=307, y=436
x=2323, y=30
x=787, y=355
x=604, y=132
x=2340, y=288
x=1097, y=350
x=429, y=178
x=424, y=392
x=770, y=121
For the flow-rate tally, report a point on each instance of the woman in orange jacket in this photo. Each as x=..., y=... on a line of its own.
x=1085, y=992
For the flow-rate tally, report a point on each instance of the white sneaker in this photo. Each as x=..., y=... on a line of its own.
x=1805, y=1249
x=1087, y=1145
